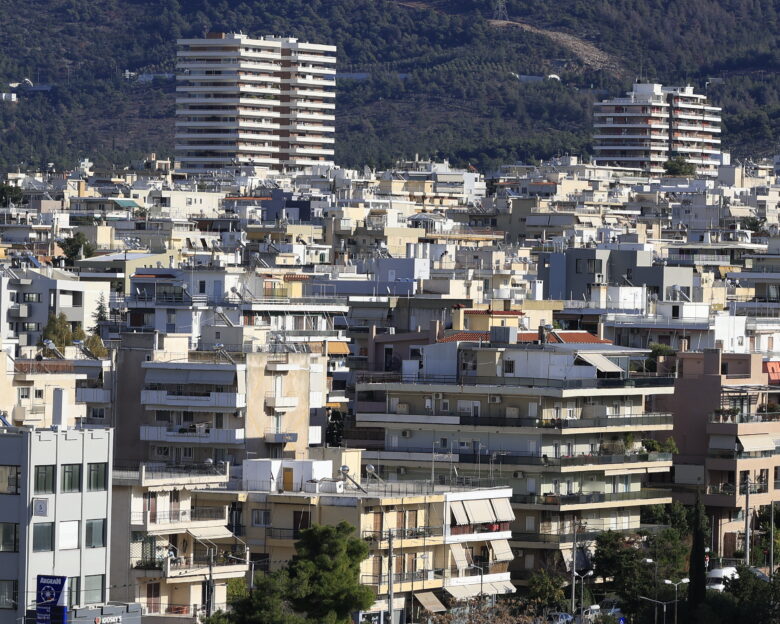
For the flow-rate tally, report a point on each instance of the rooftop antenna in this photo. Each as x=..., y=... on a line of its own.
x=500, y=11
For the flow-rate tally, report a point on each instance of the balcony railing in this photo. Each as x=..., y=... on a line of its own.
x=727, y=416
x=402, y=577
x=400, y=534
x=182, y=515
x=628, y=380
x=285, y=534
x=730, y=489
x=734, y=455
x=467, y=529
x=589, y=498
x=634, y=420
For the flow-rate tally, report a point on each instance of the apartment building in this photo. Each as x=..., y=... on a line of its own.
x=564, y=424
x=174, y=554
x=183, y=406
x=55, y=518
x=654, y=123
x=265, y=102
x=447, y=543
x=726, y=424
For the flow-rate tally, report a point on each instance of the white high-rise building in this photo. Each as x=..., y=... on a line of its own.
x=266, y=102
x=654, y=123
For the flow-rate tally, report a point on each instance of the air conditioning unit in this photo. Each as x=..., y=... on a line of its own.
x=401, y=470
x=438, y=396
x=495, y=399
x=406, y=433
x=518, y=474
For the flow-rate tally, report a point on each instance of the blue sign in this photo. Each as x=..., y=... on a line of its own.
x=622, y=621
x=51, y=600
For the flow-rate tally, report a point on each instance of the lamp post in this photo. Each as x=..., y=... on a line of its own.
x=424, y=557
x=575, y=525
x=582, y=578
x=676, y=585
x=658, y=602
x=655, y=585
x=481, y=576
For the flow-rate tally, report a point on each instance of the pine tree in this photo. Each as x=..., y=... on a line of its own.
x=697, y=572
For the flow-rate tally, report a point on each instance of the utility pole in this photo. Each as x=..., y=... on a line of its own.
x=574, y=568
x=747, y=522
x=390, y=588
x=210, y=586
x=499, y=10
x=771, y=540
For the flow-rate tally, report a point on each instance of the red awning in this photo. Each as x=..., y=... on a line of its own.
x=773, y=369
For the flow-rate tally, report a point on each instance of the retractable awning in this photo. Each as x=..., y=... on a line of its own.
x=459, y=513
x=499, y=587
x=211, y=533
x=430, y=602
x=337, y=348
x=501, y=550
x=479, y=511
x=502, y=509
x=463, y=592
x=600, y=362
x=459, y=555
x=755, y=442
x=723, y=442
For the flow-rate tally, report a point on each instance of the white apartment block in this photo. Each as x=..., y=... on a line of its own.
x=56, y=499
x=654, y=123
x=265, y=102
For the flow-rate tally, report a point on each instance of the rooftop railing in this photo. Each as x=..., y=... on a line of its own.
x=629, y=380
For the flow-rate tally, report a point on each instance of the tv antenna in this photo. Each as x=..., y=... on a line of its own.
x=500, y=11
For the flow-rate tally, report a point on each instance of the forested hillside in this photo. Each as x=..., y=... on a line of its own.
x=435, y=77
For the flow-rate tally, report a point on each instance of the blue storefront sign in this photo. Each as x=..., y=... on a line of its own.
x=51, y=600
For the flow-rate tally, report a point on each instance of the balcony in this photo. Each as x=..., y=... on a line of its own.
x=20, y=310
x=280, y=402
x=421, y=532
x=205, y=402
x=194, y=569
x=162, y=474
x=279, y=437
x=93, y=395
x=197, y=434
x=180, y=520
x=737, y=417
x=592, y=498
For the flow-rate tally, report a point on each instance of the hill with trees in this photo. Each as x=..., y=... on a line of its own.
x=434, y=77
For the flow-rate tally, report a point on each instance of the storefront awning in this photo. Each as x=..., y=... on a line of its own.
x=459, y=513
x=479, y=511
x=430, y=602
x=502, y=509
x=600, y=362
x=757, y=442
x=501, y=550
x=459, y=555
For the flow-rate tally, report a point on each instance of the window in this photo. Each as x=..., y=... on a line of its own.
x=24, y=393
x=261, y=517
x=39, y=393
x=32, y=297
x=163, y=416
x=95, y=533
x=93, y=588
x=31, y=326
x=8, y=590
x=162, y=451
x=97, y=412
x=509, y=367
x=9, y=479
x=71, y=478
x=445, y=405
x=44, y=479
x=43, y=536
x=97, y=477
x=69, y=535
x=202, y=287
x=73, y=591
x=187, y=452
x=9, y=537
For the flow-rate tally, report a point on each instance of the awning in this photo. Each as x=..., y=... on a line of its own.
x=503, y=510
x=501, y=550
x=499, y=587
x=459, y=555
x=165, y=375
x=338, y=348
x=463, y=592
x=459, y=513
x=757, y=442
x=183, y=376
x=723, y=442
x=430, y=602
x=211, y=533
x=479, y=511
x=773, y=370
x=600, y=362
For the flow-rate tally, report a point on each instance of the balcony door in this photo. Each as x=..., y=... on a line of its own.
x=150, y=505
x=153, y=597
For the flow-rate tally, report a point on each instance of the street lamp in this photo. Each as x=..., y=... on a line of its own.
x=658, y=602
x=582, y=578
x=676, y=585
x=655, y=584
x=481, y=576
x=424, y=557
x=575, y=525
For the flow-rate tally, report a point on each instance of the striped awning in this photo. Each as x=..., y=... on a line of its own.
x=502, y=509
x=459, y=513
x=430, y=602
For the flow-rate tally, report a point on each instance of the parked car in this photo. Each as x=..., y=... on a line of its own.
x=560, y=618
x=611, y=607
x=716, y=579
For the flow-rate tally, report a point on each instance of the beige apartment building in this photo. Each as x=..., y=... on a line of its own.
x=563, y=424
x=184, y=406
x=726, y=426
x=173, y=553
x=447, y=543
x=265, y=102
